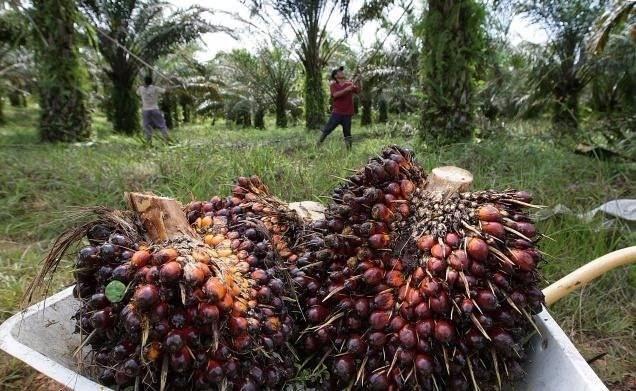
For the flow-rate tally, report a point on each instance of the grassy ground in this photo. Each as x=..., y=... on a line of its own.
x=39, y=184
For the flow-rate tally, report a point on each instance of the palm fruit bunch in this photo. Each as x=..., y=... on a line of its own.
x=406, y=287
x=183, y=313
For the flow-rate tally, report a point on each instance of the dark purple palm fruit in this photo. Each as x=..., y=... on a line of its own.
x=406, y=286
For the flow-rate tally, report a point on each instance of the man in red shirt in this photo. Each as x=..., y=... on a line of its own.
x=342, y=91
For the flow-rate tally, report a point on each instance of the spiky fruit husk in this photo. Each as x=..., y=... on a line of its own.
x=195, y=313
x=415, y=288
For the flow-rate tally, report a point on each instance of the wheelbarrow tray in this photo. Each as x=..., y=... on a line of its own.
x=43, y=337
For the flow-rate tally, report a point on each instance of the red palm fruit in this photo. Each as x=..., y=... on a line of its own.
x=397, y=323
x=486, y=300
x=394, y=278
x=475, y=339
x=361, y=307
x=406, y=356
x=440, y=251
x=102, y=319
x=260, y=276
x=241, y=342
x=426, y=242
x=377, y=339
x=393, y=188
x=391, y=167
x=384, y=301
x=214, y=371
x=373, y=276
x=423, y=311
x=440, y=303
x=353, y=323
x=356, y=345
x=404, y=209
x=477, y=249
x=407, y=187
x=429, y=287
x=317, y=314
x=389, y=199
x=237, y=325
x=444, y=330
x=501, y=281
x=488, y=213
x=467, y=306
x=381, y=212
x=344, y=367
x=527, y=229
x=495, y=229
x=418, y=274
x=174, y=341
x=193, y=275
x=477, y=269
x=378, y=381
x=523, y=260
x=181, y=360
x=424, y=328
x=208, y=313
x=146, y=296
x=424, y=364
x=164, y=256
x=407, y=337
x=436, y=265
x=458, y=260
x=452, y=276
x=170, y=272
x=152, y=275
x=523, y=196
x=226, y=303
x=379, y=241
x=140, y=258
x=452, y=239
x=413, y=297
x=502, y=340
x=379, y=320
x=215, y=289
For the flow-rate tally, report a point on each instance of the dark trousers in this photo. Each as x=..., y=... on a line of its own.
x=335, y=120
x=153, y=119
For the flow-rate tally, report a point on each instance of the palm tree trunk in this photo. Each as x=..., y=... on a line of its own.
x=281, y=113
x=383, y=109
x=452, y=45
x=125, y=103
x=565, y=112
x=63, y=112
x=314, y=94
x=366, y=102
x=259, y=117
x=3, y=120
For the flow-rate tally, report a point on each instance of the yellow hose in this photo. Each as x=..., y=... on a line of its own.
x=588, y=272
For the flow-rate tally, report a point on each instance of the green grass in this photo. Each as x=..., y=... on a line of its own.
x=40, y=183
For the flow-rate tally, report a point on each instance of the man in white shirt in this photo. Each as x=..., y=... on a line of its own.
x=152, y=116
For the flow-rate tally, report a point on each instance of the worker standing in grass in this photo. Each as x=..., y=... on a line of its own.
x=342, y=91
x=152, y=116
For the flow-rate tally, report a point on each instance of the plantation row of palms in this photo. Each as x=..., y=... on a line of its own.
x=451, y=63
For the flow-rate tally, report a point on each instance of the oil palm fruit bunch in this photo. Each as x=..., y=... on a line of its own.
x=162, y=309
x=410, y=285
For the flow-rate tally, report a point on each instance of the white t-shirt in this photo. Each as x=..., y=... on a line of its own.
x=150, y=96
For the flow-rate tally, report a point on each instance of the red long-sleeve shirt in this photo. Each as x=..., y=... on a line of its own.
x=344, y=103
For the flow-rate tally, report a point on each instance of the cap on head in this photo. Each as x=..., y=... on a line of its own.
x=335, y=71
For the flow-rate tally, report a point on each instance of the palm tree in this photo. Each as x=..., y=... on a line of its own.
x=280, y=78
x=133, y=34
x=563, y=70
x=61, y=75
x=453, y=39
